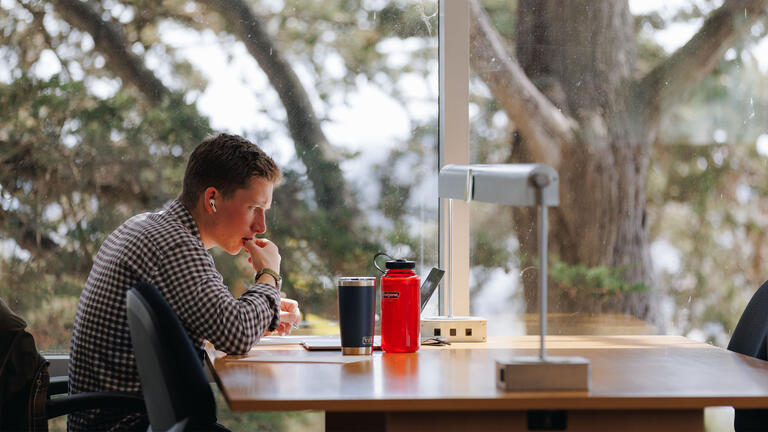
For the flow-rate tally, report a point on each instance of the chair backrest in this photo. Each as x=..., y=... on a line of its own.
x=749, y=338
x=173, y=382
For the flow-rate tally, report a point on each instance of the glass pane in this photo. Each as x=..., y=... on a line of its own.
x=661, y=161
x=93, y=133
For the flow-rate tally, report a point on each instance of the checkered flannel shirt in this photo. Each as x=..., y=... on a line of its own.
x=164, y=249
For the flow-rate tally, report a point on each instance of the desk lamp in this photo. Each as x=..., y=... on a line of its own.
x=521, y=185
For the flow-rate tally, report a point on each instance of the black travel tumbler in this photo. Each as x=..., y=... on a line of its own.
x=357, y=305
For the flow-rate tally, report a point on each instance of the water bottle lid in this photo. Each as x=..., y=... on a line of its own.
x=400, y=264
x=393, y=264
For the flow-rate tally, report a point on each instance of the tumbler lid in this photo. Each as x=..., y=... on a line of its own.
x=356, y=281
x=400, y=264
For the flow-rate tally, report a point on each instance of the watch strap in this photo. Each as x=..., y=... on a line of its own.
x=275, y=275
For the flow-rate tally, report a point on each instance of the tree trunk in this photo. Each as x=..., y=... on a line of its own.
x=576, y=107
x=587, y=74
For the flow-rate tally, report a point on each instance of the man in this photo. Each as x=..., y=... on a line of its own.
x=227, y=189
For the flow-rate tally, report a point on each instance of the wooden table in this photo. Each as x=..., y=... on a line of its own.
x=638, y=383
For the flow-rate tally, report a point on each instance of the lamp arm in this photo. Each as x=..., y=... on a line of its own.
x=543, y=228
x=450, y=258
x=539, y=182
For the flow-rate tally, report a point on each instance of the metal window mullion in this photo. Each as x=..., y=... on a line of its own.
x=453, y=148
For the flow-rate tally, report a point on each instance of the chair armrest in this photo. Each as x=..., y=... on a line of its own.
x=58, y=385
x=85, y=401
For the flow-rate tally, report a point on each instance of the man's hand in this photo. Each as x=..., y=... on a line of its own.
x=290, y=316
x=263, y=254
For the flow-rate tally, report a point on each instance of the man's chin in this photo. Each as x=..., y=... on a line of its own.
x=234, y=251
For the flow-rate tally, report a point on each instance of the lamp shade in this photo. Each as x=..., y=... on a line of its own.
x=508, y=184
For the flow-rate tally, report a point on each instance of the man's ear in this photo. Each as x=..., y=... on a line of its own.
x=210, y=195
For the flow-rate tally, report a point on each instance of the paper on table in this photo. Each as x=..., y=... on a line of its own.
x=281, y=340
x=299, y=357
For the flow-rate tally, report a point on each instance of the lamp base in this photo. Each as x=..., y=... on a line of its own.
x=533, y=373
x=455, y=329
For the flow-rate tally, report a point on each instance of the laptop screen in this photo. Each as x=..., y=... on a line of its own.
x=429, y=285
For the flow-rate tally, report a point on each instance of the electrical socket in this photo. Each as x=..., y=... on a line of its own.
x=455, y=329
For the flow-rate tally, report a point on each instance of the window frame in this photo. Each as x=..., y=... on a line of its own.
x=453, y=148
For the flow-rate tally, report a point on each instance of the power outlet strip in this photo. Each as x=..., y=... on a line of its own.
x=455, y=329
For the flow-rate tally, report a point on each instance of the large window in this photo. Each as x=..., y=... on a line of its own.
x=661, y=156
x=97, y=126
x=661, y=180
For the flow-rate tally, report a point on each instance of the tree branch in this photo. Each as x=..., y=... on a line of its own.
x=42, y=248
x=111, y=41
x=38, y=16
x=312, y=147
x=547, y=130
x=668, y=82
x=28, y=238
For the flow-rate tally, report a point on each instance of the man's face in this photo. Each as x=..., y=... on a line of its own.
x=241, y=215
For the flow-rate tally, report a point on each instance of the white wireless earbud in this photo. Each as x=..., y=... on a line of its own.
x=213, y=206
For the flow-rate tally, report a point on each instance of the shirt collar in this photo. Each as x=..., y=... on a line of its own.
x=178, y=211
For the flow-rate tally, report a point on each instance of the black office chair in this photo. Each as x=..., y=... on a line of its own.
x=749, y=338
x=27, y=391
x=176, y=390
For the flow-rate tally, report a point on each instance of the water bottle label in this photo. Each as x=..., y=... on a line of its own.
x=390, y=294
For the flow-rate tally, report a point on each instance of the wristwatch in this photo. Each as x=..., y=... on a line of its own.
x=275, y=275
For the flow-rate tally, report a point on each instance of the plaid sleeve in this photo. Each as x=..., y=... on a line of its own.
x=206, y=308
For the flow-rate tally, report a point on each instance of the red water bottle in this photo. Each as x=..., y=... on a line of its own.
x=400, y=325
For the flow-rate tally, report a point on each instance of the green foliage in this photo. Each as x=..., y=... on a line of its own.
x=503, y=16
x=591, y=284
x=402, y=196
x=489, y=249
x=707, y=198
x=74, y=167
